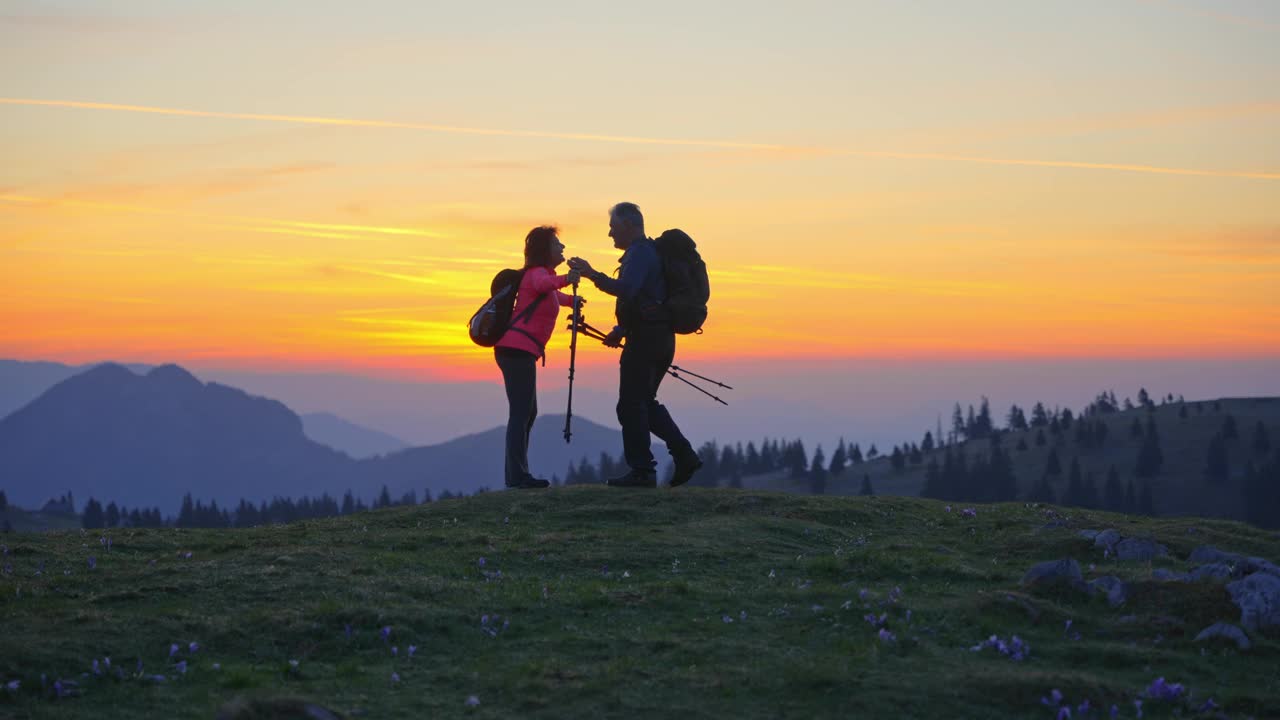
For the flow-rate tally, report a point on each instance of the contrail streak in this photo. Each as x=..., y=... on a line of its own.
x=296, y=227
x=728, y=145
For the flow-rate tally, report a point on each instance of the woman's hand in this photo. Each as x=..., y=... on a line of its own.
x=582, y=266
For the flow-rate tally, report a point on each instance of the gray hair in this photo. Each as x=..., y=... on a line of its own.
x=628, y=213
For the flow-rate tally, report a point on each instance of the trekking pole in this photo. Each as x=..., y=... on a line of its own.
x=573, y=356
x=672, y=372
x=700, y=377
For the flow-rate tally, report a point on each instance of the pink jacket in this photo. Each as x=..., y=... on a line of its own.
x=542, y=321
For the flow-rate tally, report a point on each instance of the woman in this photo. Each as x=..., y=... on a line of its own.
x=537, y=306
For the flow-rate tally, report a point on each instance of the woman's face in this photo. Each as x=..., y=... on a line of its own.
x=557, y=251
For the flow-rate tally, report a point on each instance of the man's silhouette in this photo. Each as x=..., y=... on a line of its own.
x=650, y=347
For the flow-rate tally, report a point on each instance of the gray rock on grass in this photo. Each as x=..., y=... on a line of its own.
x=1108, y=538
x=1112, y=587
x=1140, y=549
x=1225, y=631
x=1258, y=597
x=1065, y=570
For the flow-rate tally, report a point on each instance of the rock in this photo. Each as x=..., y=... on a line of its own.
x=1140, y=549
x=1258, y=597
x=1212, y=571
x=1211, y=554
x=1248, y=566
x=1067, y=570
x=1225, y=631
x=1088, y=534
x=1107, y=538
x=1111, y=586
x=1166, y=575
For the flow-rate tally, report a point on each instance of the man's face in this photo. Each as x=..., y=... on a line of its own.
x=621, y=232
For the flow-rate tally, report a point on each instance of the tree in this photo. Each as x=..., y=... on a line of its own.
x=4, y=501
x=112, y=517
x=186, y=513
x=1039, y=417
x=93, y=517
x=1016, y=419
x=1053, y=466
x=926, y=445
x=1040, y=439
x=1075, y=486
x=1261, y=445
x=957, y=424
x=1143, y=398
x=897, y=459
x=873, y=452
x=384, y=498
x=932, y=479
x=1113, y=493
x=348, y=503
x=818, y=473
x=1261, y=493
x=1229, y=431
x=1216, y=467
x=1150, y=457
x=426, y=492
x=838, y=459
x=1182, y=412
x=855, y=455
x=1022, y=444
x=866, y=486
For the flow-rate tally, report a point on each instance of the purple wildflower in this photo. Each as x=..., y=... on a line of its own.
x=969, y=512
x=386, y=633
x=726, y=619
x=346, y=629
x=1054, y=699
x=173, y=650
x=1115, y=711
x=1160, y=690
x=96, y=669
x=412, y=649
x=1067, y=628
x=480, y=562
x=182, y=667
x=1083, y=707
x=1137, y=707
x=895, y=594
x=93, y=562
x=473, y=701
x=193, y=647
x=217, y=666
x=886, y=636
x=1207, y=706
x=395, y=677
x=862, y=594
x=395, y=651
x=1064, y=713
x=157, y=678
x=947, y=508
x=107, y=661
x=13, y=685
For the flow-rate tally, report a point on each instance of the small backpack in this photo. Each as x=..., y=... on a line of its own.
x=493, y=319
x=688, y=288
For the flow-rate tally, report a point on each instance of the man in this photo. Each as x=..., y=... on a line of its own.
x=640, y=289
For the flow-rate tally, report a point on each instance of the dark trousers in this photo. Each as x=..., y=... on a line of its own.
x=520, y=375
x=645, y=359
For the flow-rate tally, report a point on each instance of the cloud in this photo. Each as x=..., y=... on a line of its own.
x=634, y=140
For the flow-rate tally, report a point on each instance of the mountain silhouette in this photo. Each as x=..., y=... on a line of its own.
x=148, y=439
x=355, y=440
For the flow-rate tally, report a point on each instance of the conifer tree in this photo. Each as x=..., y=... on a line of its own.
x=93, y=516
x=1040, y=438
x=187, y=512
x=866, y=486
x=818, y=473
x=1075, y=486
x=348, y=503
x=926, y=445
x=1135, y=428
x=1229, y=431
x=1261, y=442
x=1261, y=492
x=873, y=453
x=1150, y=457
x=1022, y=444
x=111, y=518
x=838, y=460
x=855, y=455
x=4, y=502
x=1039, y=417
x=897, y=459
x=1216, y=466
x=384, y=498
x=1143, y=398
x=1053, y=466
x=1091, y=499
x=1113, y=493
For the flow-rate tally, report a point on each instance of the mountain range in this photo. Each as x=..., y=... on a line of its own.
x=148, y=439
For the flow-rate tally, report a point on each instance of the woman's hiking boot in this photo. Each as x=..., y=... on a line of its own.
x=635, y=478
x=528, y=482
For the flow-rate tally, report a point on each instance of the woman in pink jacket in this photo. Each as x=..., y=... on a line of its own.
x=537, y=306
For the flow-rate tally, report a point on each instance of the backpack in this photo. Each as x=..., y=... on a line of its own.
x=493, y=319
x=688, y=288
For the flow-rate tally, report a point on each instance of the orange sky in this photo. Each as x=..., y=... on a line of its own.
x=286, y=210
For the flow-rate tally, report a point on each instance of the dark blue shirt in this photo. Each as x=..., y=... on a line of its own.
x=640, y=280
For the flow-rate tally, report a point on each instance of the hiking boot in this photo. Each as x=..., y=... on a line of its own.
x=528, y=482
x=635, y=478
x=687, y=463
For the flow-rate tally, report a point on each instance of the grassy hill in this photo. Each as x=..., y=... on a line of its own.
x=1180, y=489
x=594, y=602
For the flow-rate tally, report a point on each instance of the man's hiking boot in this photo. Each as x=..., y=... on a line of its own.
x=635, y=478
x=529, y=482
x=687, y=463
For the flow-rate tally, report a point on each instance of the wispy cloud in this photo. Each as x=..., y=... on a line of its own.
x=635, y=140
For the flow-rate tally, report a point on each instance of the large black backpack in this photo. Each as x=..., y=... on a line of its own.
x=688, y=288
x=493, y=319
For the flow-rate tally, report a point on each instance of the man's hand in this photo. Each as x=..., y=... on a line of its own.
x=614, y=339
x=582, y=266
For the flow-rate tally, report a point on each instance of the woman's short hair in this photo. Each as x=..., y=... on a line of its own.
x=537, y=246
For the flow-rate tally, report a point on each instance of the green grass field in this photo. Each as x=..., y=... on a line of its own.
x=592, y=602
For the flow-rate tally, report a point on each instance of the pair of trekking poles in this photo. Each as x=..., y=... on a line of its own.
x=578, y=324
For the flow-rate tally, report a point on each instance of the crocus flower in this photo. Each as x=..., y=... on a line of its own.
x=473, y=701
x=480, y=562
x=1064, y=713
x=386, y=632
x=173, y=650
x=969, y=512
x=217, y=666
x=1137, y=707
x=107, y=661
x=395, y=651
x=13, y=685
x=886, y=636
x=182, y=667
x=96, y=669
x=347, y=630
x=293, y=664
x=93, y=562
x=1115, y=711
x=412, y=649
x=395, y=677
x=193, y=647
x=726, y=619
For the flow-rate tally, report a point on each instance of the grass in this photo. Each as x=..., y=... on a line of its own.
x=619, y=605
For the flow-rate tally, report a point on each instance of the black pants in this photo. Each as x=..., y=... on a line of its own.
x=520, y=375
x=645, y=359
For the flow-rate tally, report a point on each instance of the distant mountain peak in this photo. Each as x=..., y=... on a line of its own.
x=173, y=374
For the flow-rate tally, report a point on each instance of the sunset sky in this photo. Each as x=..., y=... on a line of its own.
x=330, y=186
